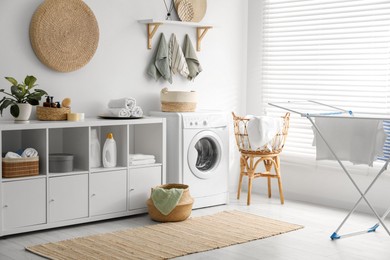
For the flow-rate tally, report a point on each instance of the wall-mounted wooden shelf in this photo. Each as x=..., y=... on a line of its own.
x=152, y=26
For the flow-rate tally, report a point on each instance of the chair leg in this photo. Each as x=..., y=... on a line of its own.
x=239, y=185
x=251, y=174
x=269, y=187
x=277, y=170
x=242, y=170
x=268, y=167
x=250, y=178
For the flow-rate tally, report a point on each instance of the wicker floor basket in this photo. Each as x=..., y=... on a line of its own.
x=182, y=210
x=20, y=167
x=52, y=113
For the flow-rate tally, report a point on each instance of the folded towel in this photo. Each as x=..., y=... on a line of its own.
x=262, y=129
x=166, y=200
x=142, y=162
x=177, y=60
x=12, y=155
x=128, y=103
x=359, y=141
x=137, y=111
x=138, y=156
x=30, y=152
x=118, y=112
x=159, y=67
x=193, y=64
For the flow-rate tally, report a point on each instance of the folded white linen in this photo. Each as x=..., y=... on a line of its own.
x=262, y=129
x=12, y=155
x=176, y=58
x=128, y=103
x=142, y=162
x=30, y=152
x=139, y=156
x=359, y=141
x=118, y=112
x=137, y=111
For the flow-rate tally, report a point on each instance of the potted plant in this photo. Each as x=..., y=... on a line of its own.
x=21, y=98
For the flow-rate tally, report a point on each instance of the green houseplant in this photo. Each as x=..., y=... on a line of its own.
x=21, y=93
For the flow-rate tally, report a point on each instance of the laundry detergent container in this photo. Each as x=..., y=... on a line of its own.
x=60, y=162
x=182, y=210
x=178, y=101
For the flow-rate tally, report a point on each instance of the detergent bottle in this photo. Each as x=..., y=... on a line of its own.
x=109, y=151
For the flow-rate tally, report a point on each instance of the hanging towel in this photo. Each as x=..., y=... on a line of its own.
x=30, y=152
x=193, y=64
x=138, y=156
x=359, y=141
x=128, y=103
x=142, y=162
x=262, y=129
x=159, y=67
x=137, y=112
x=118, y=112
x=177, y=60
x=166, y=200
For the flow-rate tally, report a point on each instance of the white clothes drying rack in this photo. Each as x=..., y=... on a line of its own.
x=312, y=109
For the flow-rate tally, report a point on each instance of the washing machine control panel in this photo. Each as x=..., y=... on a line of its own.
x=194, y=120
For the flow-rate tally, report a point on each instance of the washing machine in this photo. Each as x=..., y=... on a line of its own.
x=197, y=154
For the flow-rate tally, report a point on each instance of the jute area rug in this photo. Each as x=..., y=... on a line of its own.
x=168, y=240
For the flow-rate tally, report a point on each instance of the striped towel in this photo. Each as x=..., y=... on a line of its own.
x=177, y=60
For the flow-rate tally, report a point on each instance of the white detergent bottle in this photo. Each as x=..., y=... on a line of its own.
x=109, y=151
x=95, y=156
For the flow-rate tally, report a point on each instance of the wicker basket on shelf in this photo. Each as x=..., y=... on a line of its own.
x=20, y=167
x=52, y=113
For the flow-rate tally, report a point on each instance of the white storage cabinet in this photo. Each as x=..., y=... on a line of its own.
x=85, y=194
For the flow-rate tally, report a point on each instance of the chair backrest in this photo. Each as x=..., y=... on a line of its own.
x=242, y=139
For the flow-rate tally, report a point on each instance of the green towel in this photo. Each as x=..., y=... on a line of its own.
x=159, y=67
x=193, y=64
x=165, y=200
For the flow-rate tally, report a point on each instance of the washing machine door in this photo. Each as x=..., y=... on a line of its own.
x=204, y=154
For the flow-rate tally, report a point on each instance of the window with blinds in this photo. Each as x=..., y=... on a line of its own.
x=334, y=52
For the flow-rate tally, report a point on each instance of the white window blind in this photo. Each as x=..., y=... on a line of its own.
x=335, y=52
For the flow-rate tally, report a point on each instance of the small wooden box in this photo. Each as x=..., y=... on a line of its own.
x=20, y=167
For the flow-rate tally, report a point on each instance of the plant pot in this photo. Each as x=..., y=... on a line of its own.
x=24, y=112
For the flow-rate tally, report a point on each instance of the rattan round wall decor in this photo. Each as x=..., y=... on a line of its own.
x=64, y=34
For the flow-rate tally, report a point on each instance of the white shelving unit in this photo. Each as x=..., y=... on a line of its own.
x=152, y=27
x=86, y=194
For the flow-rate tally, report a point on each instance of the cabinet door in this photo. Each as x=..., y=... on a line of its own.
x=68, y=197
x=108, y=192
x=141, y=180
x=24, y=203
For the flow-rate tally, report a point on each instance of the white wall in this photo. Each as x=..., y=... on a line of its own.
x=118, y=68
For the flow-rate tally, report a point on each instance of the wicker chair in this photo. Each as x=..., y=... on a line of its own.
x=250, y=158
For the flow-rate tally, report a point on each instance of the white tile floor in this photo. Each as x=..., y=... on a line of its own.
x=312, y=242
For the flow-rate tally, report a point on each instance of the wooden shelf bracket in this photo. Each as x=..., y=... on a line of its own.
x=200, y=33
x=152, y=28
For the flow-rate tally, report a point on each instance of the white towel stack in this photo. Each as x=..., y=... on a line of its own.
x=28, y=152
x=124, y=107
x=141, y=159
